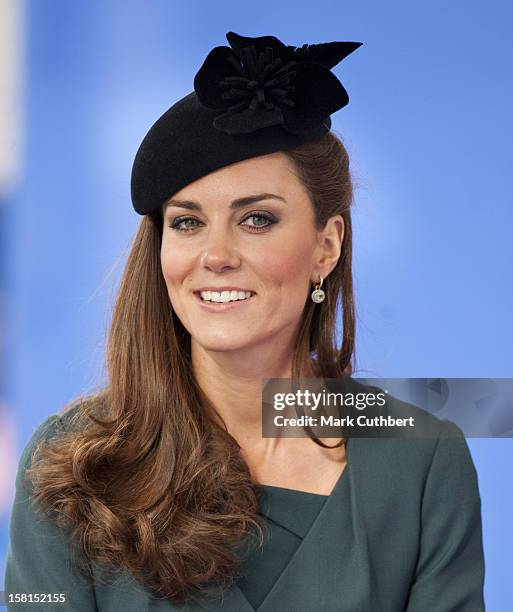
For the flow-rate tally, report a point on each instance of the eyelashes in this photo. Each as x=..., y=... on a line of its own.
x=183, y=224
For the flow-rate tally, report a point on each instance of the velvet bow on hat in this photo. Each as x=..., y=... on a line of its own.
x=262, y=82
x=255, y=97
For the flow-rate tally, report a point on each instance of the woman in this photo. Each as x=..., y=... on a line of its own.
x=161, y=488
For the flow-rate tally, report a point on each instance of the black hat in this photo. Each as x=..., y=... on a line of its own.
x=256, y=97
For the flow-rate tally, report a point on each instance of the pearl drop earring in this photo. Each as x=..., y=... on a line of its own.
x=318, y=294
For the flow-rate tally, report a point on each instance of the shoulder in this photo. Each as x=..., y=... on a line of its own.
x=400, y=465
x=41, y=555
x=72, y=418
x=414, y=445
x=402, y=487
x=46, y=430
x=404, y=464
x=420, y=495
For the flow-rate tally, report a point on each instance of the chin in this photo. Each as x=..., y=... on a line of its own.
x=213, y=342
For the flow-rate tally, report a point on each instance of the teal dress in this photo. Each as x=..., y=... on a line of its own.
x=400, y=532
x=289, y=517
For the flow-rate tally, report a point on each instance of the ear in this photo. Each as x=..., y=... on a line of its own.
x=329, y=247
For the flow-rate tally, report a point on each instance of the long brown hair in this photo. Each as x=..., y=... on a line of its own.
x=145, y=478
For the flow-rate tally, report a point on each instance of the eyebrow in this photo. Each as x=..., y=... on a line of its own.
x=237, y=203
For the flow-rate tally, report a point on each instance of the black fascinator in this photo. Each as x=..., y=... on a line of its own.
x=260, y=82
x=255, y=97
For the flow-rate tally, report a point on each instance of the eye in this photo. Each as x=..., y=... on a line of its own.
x=261, y=221
x=183, y=224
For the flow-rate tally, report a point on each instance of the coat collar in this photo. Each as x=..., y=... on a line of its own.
x=317, y=576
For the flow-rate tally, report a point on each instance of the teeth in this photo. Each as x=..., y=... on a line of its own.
x=224, y=296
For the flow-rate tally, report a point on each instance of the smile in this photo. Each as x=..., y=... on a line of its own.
x=223, y=300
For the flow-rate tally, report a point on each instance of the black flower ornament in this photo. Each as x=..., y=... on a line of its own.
x=260, y=82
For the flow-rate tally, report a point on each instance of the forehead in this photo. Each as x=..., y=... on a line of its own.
x=266, y=173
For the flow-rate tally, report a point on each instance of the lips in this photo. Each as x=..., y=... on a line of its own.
x=224, y=290
x=223, y=302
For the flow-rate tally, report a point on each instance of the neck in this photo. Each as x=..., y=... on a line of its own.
x=232, y=381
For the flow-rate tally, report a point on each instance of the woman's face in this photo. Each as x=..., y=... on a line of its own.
x=248, y=227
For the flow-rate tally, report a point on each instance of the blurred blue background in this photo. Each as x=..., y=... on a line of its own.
x=428, y=128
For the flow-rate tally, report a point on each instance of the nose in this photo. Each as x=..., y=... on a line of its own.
x=219, y=253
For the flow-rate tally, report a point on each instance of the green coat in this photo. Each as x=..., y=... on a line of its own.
x=400, y=532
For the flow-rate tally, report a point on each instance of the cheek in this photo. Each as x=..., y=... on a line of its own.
x=287, y=261
x=174, y=264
